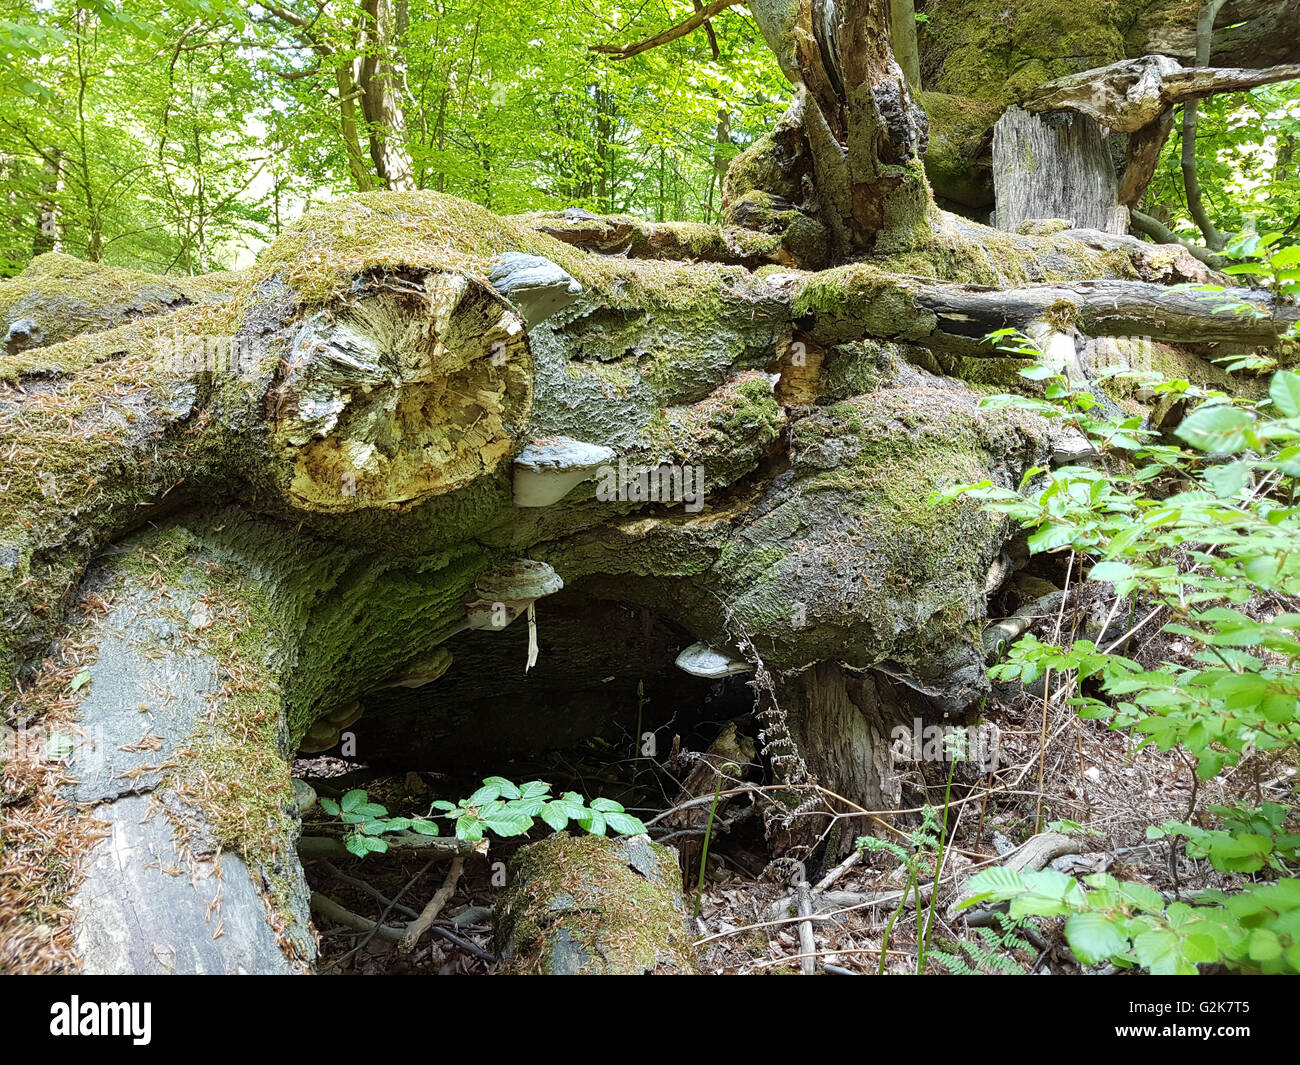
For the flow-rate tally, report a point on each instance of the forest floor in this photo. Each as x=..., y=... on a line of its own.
x=1099, y=788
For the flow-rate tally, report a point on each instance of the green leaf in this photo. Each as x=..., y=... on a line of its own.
x=592, y=821
x=997, y=883
x=423, y=827
x=606, y=806
x=507, y=822
x=80, y=680
x=1228, y=480
x=352, y=800
x=555, y=814
x=1263, y=945
x=625, y=823
x=1093, y=938
x=1157, y=949
x=1219, y=428
x=484, y=795
x=330, y=806
x=505, y=788
x=1142, y=896
x=1284, y=391
x=1110, y=571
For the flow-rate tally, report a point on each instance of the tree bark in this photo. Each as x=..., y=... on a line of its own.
x=380, y=80
x=1053, y=168
x=1214, y=239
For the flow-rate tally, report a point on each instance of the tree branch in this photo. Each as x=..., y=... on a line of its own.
x=1191, y=182
x=701, y=16
x=440, y=898
x=849, y=303
x=1162, y=234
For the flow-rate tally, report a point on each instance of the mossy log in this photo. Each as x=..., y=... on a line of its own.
x=59, y=297
x=854, y=302
x=325, y=512
x=594, y=907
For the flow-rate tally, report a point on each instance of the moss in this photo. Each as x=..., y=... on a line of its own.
x=961, y=130
x=232, y=769
x=725, y=433
x=67, y=297
x=872, y=297
x=992, y=50
x=391, y=231
x=757, y=168
x=576, y=902
x=83, y=457
x=858, y=299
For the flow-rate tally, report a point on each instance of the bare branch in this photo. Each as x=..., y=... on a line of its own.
x=701, y=16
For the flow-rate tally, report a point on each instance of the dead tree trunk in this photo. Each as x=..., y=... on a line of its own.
x=1056, y=167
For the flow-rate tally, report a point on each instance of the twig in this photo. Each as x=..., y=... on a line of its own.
x=838, y=872
x=440, y=898
x=807, y=944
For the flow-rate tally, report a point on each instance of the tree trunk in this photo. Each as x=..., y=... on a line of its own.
x=347, y=90
x=381, y=77
x=49, y=223
x=1053, y=168
x=865, y=135
x=902, y=38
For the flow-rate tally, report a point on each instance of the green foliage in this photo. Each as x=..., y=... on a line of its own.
x=989, y=953
x=1250, y=840
x=1201, y=539
x=499, y=806
x=182, y=136
x=728, y=767
x=370, y=821
x=1246, y=160
x=1131, y=925
x=922, y=860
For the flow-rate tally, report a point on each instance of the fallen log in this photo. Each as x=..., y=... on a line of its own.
x=59, y=297
x=853, y=302
x=333, y=522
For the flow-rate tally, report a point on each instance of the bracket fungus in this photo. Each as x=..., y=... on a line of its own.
x=502, y=595
x=423, y=672
x=324, y=733
x=701, y=660
x=548, y=470
x=537, y=286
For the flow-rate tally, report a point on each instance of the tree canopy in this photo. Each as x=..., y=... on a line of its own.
x=180, y=137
